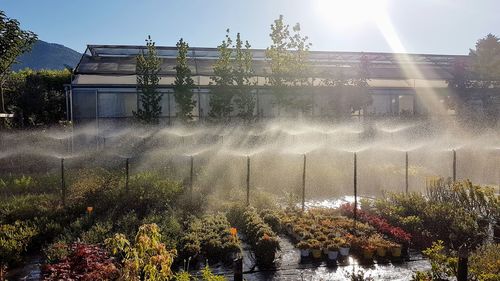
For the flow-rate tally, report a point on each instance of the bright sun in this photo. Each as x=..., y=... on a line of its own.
x=350, y=13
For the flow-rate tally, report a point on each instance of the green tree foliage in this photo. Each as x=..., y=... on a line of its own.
x=222, y=94
x=486, y=61
x=183, y=84
x=13, y=42
x=481, y=81
x=288, y=57
x=147, y=69
x=37, y=98
x=242, y=74
x=232, y=77
x=349, y=94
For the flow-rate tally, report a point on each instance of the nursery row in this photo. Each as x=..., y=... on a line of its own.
x=325, y=231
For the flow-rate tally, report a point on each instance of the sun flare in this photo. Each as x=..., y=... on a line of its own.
x=350, y=13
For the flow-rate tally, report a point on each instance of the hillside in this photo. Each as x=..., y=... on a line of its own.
x=45, y=55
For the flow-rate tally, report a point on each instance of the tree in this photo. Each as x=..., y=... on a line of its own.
x=486, y=64
x=351, y=94
x=13, y=42
x=242, y=74
x=478, y=81
x=222, y=95
x=279, y=58
x=147, y=68
x=183, y=84
x=288, y=56
x=361, y=97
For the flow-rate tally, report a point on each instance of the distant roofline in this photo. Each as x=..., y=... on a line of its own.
x=263, y=50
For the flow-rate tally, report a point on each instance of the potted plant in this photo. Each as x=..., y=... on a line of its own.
x=305, y=249
x=333, y=251
x=396, y=250
x=315, y=248
x=344, y=246
x=368, y=251
x=379, y=243
x=323, y=240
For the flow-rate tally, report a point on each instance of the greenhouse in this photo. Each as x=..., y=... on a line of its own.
x=104, y=85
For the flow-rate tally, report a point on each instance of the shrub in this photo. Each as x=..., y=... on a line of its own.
x=56, y=252
x=147, y=258
x=485, y=262
x=14, y=240
x=97, y=233
x=272, y=218
x=84, y=262
x=261, y=237
x=209, y=237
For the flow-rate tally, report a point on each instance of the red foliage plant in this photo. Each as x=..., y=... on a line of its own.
x=381, y=224
x=85, y=262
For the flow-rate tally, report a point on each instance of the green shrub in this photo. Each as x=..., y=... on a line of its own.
x=26, y=207
x=56, y=252
x=261, y=237
x=98, y=233
x=145, y=259
x=485, y=262
x=209, y=237
x=14, y=240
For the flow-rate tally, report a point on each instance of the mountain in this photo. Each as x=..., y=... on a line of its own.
x=45, y=55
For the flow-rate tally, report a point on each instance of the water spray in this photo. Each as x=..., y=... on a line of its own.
x=304, y=185
x=248, y=180
x=454, y=165
x=63, y=184
x=127, y=160
x=355, y=183
x=406, y=172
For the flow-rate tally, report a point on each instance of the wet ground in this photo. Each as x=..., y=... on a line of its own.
x=290, y=267
x=30, y=271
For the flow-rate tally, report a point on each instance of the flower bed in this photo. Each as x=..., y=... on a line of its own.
x=379, y=223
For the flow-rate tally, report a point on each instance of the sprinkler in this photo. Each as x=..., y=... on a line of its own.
x=221, y=139
x=191, y=175
x=454, y=165
x=127, y=160
x=304, y=185
x=355, y=181
x=63, y=184
x=406, y=172
x=248, y=180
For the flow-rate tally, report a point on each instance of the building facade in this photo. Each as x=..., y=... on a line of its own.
x=104, y=84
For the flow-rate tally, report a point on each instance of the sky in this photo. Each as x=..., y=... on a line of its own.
x=413, y=26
